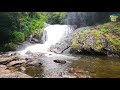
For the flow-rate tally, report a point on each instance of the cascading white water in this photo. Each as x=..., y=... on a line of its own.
x=52, y=35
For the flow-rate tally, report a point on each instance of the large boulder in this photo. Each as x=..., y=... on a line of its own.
x=64, y=46
x=101, y=39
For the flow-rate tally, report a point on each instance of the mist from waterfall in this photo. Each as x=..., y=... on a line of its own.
x=52, y=34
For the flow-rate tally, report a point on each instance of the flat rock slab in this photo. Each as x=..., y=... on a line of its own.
x=3, y=67
x=6, y=60
x=13, y=63
x=14, y=75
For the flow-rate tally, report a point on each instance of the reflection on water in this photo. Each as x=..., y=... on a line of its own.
x=94, y=66
x=99, y=67
x=34, y=71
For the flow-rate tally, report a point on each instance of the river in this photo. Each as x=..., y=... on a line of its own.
x=76, y=65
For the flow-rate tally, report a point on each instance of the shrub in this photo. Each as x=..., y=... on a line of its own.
x=10, y=47
x=55, y=17
x=18, y=37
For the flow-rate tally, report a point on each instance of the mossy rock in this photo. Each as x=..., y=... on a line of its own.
x=102, y=38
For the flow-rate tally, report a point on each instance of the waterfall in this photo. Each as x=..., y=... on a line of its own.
x=52, y=34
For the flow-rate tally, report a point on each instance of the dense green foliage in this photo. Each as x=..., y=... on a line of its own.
x=16, y=27
x=55, y=17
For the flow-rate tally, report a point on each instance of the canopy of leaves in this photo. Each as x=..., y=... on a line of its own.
x=15, y=27
x=55, y=17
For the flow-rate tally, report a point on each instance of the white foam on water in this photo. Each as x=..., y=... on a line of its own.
x=54, y=33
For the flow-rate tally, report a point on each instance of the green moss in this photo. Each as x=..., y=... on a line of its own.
x=98, y=42
x=104, y=30
x=114, y=41
x=108, y=32
x=82, y=31
x=96, y=33
x=75, y=43
x=98, y=45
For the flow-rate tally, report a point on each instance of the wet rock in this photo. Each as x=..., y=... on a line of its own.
x=28, y=53
x=4, y=71
x=29, y=59
x=26, y=58
x=35, y=63
x=60, y=61
x=14, y=54
x=22, y=69
x=7, y=60
x=71, y=70
x=68, y=76
x=79, y=75
x=35, y=54
x=113, y=55
x=34, y=40
x=13, y=63
x=8, y=74
x=3, y=67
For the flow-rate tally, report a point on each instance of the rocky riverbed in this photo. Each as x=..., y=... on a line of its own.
x=13, y=65
x=35, y=65
x=50, y=65
x=58, y=61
